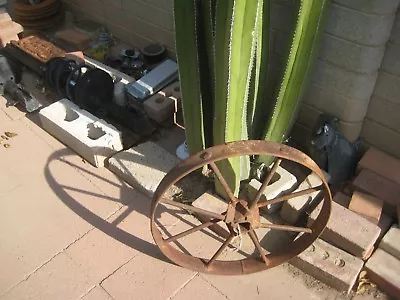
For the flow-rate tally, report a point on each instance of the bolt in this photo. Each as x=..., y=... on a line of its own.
x=325, y=255
x=205, y=155
x=159, y=100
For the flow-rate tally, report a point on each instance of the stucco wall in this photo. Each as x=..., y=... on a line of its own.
x=355, y=54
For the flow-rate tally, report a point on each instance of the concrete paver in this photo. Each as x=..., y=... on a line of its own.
x=97, y=293
x=199, y=289
x=60, y=278
x=98, y=254
x=145, y=277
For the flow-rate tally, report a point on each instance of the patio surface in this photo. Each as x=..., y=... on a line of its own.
x=71, y=231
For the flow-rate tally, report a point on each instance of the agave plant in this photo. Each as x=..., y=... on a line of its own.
x=222, y=50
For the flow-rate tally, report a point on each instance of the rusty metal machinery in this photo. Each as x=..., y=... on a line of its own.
x=241, y=217
x=43, y=15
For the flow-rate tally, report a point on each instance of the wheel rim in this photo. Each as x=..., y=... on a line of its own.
x=238, y=213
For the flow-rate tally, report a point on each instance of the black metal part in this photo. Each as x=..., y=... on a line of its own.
x=10, y=76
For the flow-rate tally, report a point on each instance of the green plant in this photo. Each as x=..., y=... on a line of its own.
x=222, y=49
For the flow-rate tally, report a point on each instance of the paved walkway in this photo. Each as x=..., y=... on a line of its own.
x=71, y=231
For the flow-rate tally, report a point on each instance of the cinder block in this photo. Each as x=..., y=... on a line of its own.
x=350, y=84
x=351, y=56
x=346, y=108
x=149, y=13
x=368, y=206
x=285, y=182
x=384, y=270
x=384, y=112
x=381, y=137
x=92, y=138
x=330, y=265
x=365, y=29
x=159, y=108
x=395, y=35
x=143, y=166
x=391, y=60
x=378, y=7
x=308, y=116
x=211, y=202
x=391, y=242
x=381, y=164
x=293, y=209
x=342, y=199
x=173, y=91
x=388, y=87
x=370, y=182
x=348, y=231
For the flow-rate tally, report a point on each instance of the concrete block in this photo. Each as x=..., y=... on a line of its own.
x=384, y=224
x=293, y=209
x=378, y=7
x=368, y=206
x=211, y=202
x=391, y=60
x=159, y=108
x=284, y=183
x=384, y=112
x=381, y=164
x=395, y=35
x=388, y=87
x=308, y=116
x=381, y=137
x=342, y=199
x=330, y=265
x=347, y=109
x=173, y=91
x=384, y=270
x=351, y=56
x=391, y=242
x=152, y=14
x=143, y=166
x=348, y=231
x=131, y=21
x=92, y=138
x=74, y=38
x=365, y=29
x=350, y=84
x=370, y=182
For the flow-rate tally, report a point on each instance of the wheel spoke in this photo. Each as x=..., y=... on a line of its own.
x=190, y=231
x=266, y=182
x=256, y=243
x=290, y=196
x=219, y=251
x=286, y=228
x=223, y=182
x=194, y=209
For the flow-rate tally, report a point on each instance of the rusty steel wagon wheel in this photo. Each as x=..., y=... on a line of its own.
x=241, y=217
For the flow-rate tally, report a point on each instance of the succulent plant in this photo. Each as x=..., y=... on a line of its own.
x=222, y=50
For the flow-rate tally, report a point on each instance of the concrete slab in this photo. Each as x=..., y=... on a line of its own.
x=97, y=293
x=143, y=166
x=145, y=277
x=391, y=242
x=330, y=265
x=199, y=289
x=384, y=270
x=348, y=231
x=60, y=277
x=99, y=254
